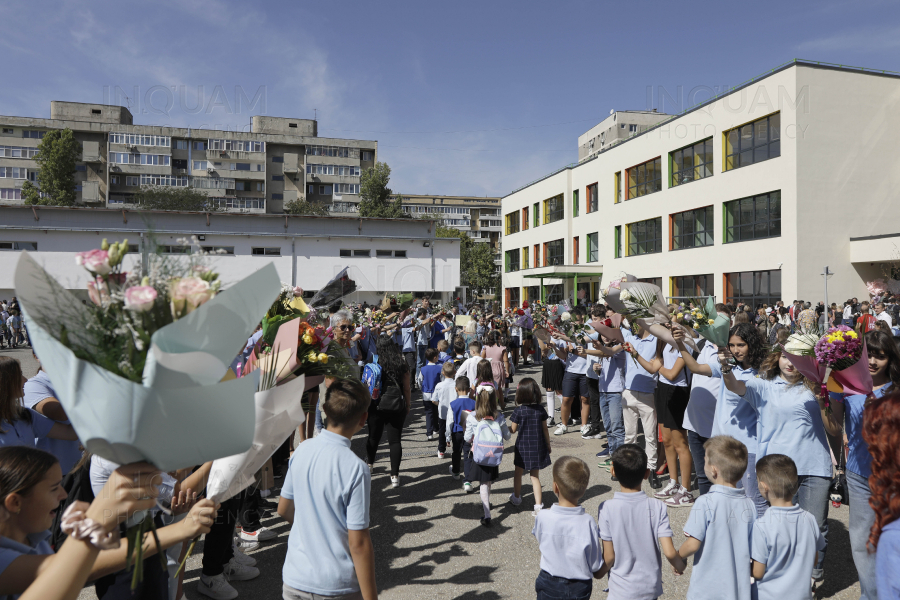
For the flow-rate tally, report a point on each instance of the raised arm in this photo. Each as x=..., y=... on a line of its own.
x=651, y=366
x=695, y=367
x=672, y=373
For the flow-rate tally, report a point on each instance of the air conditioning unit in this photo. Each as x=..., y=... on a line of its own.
x=210, y=170
x=132, y=147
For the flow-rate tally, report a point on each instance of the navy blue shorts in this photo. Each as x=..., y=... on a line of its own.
x=574, y=385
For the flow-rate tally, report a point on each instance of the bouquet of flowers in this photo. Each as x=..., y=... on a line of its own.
x=843, y=352
x=709, y=323
x=289, y=305
x=340, y=285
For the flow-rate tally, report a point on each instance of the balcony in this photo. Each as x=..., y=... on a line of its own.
x=235, y=155
x=90, y=152
x=291, y=163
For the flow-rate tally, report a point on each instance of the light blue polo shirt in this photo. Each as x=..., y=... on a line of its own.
x=330, y=488
x=786, y=541
x=68, y=453
x=569, y=541
x=23, y=433
x=790, y=423
x=423, y=335
x=574, y=363
x=859, y=460
x=637, y=378
x=705, y=391
x=408, y=335
x=10, y=550
x=722, y=520
x=733, y=416
x=612, y=374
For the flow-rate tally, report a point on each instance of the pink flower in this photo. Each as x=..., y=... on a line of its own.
x=298, y=291
x=140, y=298
x=200, y=269
x=188, y=293
x=93, y=293
x=877, y=287
x=95, y=261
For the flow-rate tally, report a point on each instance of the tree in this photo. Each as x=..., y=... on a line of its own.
x=476, y=260
x=173, y=198
x=305, y=207
x=56, y=158
x=375, y=195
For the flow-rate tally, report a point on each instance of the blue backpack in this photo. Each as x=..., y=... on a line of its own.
x=487, y=445
x=371, y=377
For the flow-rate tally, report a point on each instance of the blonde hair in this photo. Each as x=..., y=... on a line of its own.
x=485, y=404
x=572, y=476
x=728, y=455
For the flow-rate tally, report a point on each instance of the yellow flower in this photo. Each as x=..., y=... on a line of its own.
x=308, y=339
x=711, y=321
x=696, y=325
x=323, y=358
x=679, y=316
x=311, y=357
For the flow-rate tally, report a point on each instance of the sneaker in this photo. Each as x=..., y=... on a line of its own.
x=235, y=571
x=452, y=474
x=551, y=422
x=560, y=430
x=468, y=487
x=395, y=481
x=654, y=481
x=537, y=508
x=591, y=434
x=603, y=453
x=605, y=464
x=515, y=501
x=614, y=478
x=681, y=499
x=240, y=557
x=671, y=488
x=260, y=535
x=585, y=429
x=486, y=521
x=216, y=587
x=440, y=454
x=246, y=546
x=265, y=493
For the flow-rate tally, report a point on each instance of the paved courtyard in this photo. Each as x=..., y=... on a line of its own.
x=429, y=542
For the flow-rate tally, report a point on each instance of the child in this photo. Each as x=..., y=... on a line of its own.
x=786, y=539
x=485, y=409
x=468, y=368
x=444, y=394
x=431, y=376
x=568, y=537
x=718, y=528
x=442, y=347
x=459, y=351
x=330, y=555
x=459, y=410
x=484, y=378
x=532, y=451
x=630, y=525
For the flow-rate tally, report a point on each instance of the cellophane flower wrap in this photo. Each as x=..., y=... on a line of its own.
x=843, y=352
x=706, y=320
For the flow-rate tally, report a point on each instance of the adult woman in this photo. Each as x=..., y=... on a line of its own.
x=835, y=315
x=552, y=372
x=733, y=416
x=19, y=426
x=881, y=431
x=390, y=410
x=848, y=413
x=784, y=316
x=342, y=330
x=790, y=423
x=470, y=333
x=772, y=328
x=499, y=358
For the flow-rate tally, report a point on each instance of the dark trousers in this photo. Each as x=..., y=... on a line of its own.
x=431, y=416
x=249, y=517
x=390, y=421
x=457, y=438
x=442, y=435
x=594, y=402
x=410, y=358
x=549, y=587
x=155, y=585
x=217, y=550
x=698, y=454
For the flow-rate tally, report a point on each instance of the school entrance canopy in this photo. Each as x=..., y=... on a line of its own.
x=572, y=272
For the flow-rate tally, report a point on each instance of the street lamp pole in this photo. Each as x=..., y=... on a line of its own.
x=826, y=274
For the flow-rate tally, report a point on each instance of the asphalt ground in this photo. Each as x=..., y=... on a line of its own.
x=429, y=542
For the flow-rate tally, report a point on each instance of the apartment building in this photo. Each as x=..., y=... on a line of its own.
x=257, y=171
x=747, y=197
x=619, y=125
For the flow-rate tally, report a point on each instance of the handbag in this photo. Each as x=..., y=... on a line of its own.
x=390, y=400
x=837, y=491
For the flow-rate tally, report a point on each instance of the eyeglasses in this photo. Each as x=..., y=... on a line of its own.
x=344, y=327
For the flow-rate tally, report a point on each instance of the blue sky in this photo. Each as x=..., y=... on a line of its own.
x=464, y=98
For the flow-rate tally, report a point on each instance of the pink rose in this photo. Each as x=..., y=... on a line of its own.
x=140, y=298
x=93, y=294
x=298, y=291
x=95, y=261
x=188, y=293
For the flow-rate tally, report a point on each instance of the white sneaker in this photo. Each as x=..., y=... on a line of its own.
x=247, y=561
x=235, y=571
x=515, y=501
x=468, y=487
x=265, y=493
x=260, y=535
x=561, y=429
x=245, y=546
x=585, y=429
x=440, y=454
x=668, y=491
x=452, y=474
x=537, y=508
x=395, y=481
x=216, y=588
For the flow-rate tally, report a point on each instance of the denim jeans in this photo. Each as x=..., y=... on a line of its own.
x=611, y=409
x=813, y=498
x=750, y=486
x=861, y=519
x=549, y=587
x=698, y=453
x=320, y=425
x=420, y=362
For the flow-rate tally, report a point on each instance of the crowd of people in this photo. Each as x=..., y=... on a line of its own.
x=747, y=441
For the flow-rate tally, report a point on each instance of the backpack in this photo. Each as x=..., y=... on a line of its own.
x=371, y=377
x=487, y=444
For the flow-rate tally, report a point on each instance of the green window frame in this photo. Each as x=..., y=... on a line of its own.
x=592, y=248
x=574, y=203
x=691, y=163
x=512, y=260
x=617, y=193
x=753, y=142
x=692, y=228
x=554, y=253
x=645, y=178
x=536, y=214
x=645, y=237
x=617, y=241
x=753, y=218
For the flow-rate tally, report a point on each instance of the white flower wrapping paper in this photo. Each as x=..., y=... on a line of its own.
x=649, y=315
x=182, y=414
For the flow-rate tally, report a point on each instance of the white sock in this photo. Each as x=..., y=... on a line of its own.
x=550, y=403
x=486, y=499
x=538, y=507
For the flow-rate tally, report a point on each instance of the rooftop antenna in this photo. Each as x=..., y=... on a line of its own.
x=315, y=114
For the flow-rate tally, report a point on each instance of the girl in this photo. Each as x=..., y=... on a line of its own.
x=848, y=413
x=497, y=354
x=19, y=426
x=484, y=378
x=532, y=452
x=552, y=372
x=485, y=408
x=733, y=416
x=392, y=408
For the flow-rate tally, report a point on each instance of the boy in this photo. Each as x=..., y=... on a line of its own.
x=408, y=340
x=786, y=540
x=329, y=549
x=442, y=347
x=568, y=537
x=431, y=376
x=470, y=367
x=718, y=528
x=456, y=427
x=630, y=525
x=444, y=394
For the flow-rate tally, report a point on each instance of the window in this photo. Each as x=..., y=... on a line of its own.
x=644, y=179
x=341, y=170
x=212, y=183
x=368, y=155
x=524, y=219
x=266, y=251
x=125, y=158
x=632, y=128
x=240, y=166
x=95, y=111
x=554, y=293
x=346, y=188
x=179, y=163
x=10, y=194
x=174, y=249
x=218, y=249
x=592, y=203
x=657, y=281
x=132, y=181
x=383, y=253
x=617, y=240
x=33, y=134
x=512, y=223
x=336, y=151
x=361, y=253
x=399, y=253
x=593, y=248
x=135, y=139
x=181, y=144
x=753, y=218
x=311, y=189
x=753, y=287
x=7, y=130
x=164, y=180
x=645, y=237
x=346, y=253
x=236, y=145
x=81, y=167
x=691, y=286
x=324, y=190
x=30, y=246
x=512, y=261
x=537, y=255
x=277, y=177
x=199, y=146
x=617, y=197
x=114, y=180
x=554, y=253
x=512, y=296
x=277, y=159
x=691, y=163
x=525, y=258
x=692, y=228
x=753, y=142
x=200, y=165
x=554, y=210
x=574, y=203
x=575, y=250
x=277, y=196
x=536, y=213
x=14, y=173
x=18, y=152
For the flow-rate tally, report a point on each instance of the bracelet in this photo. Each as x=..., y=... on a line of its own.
x=77, y=525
